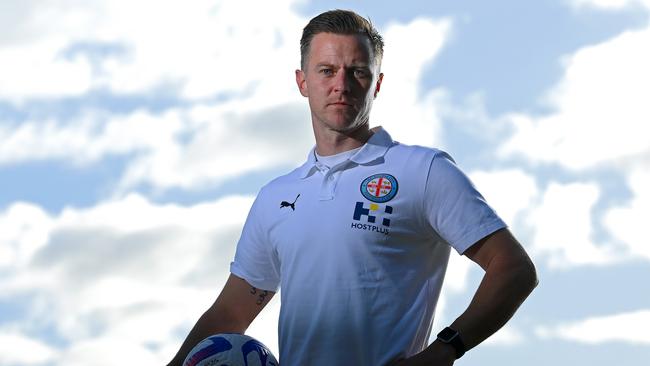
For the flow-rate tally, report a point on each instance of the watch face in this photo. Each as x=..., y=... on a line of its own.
x=447, y=334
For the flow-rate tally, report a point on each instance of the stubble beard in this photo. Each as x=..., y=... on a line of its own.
x=360, y=120
x=355, y=130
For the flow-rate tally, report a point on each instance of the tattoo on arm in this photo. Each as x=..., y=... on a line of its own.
x=262, y=295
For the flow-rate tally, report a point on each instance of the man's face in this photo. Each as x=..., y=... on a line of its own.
x=341, y=79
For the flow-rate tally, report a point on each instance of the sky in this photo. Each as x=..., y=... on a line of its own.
x=134, y=136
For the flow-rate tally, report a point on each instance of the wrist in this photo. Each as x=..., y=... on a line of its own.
x=452, y=338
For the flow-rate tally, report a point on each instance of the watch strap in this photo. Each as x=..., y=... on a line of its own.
x=452, y=338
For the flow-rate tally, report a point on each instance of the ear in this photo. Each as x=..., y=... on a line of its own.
x=378, y=85
x=301, y=82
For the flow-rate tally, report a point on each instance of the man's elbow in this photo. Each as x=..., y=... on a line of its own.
x=519, y=271
x=527, y=275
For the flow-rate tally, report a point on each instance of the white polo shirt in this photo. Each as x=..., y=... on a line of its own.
x=360, y=250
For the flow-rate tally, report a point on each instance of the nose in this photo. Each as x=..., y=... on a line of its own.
x=342, y=81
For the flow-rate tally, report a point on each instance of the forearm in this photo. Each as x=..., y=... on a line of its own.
x=503, y=289
x=234, y=310
x=210, y=323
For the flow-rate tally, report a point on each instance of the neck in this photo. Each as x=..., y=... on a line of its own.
x=331, y=142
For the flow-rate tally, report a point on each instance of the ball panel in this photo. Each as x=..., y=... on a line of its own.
x=263, y=353
x=230, y=349
x=209, y=347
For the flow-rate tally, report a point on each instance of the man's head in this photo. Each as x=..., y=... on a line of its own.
x=342, y=22
x=341, y=56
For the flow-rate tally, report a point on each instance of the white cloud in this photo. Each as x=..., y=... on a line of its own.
x=599, y=118
x=37, y=70
x=124, y=274
x=509, y=192
x=17, y=349
x=25, y=230
x=223, y=142
x=186, y=148
x=507, y=336
x=410, y=115
x=203, y=47
x=105, y=351
x=601, y=108
x=628, y=222
x=91, y=137
x=629, y=327
x=562, y=227
x=609, y=4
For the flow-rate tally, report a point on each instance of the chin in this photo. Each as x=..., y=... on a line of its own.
x=347, y=127
x=341, y=122
x=339, y=125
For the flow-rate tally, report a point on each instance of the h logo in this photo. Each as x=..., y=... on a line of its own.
x=359, y=211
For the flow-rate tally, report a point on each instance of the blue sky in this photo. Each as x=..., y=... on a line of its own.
x=133, y=138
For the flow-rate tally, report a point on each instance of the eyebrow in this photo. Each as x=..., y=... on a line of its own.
x=354, y=66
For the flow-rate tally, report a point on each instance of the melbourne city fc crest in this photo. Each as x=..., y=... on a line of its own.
x=379, y=188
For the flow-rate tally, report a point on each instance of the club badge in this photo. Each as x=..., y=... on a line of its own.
x=379, y=188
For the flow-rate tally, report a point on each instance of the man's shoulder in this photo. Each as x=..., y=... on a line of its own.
x=415, y=153
x=283, y=180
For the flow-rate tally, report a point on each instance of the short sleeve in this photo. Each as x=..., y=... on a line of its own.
x=255, y=261
x=454, y=207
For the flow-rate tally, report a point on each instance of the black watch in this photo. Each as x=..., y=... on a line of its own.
x=452, y=338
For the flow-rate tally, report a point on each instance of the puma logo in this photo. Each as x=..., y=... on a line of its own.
x=287, y=204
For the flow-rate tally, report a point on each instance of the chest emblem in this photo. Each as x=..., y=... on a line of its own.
x=379, y=188
x=292, y=204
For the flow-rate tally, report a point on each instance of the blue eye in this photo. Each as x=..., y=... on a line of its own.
x=326, y=71
x=361, y=73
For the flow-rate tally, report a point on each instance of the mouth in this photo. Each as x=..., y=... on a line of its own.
x=341, y=104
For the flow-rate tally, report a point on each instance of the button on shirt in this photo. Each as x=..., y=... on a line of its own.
x=330, y=167
x=360, y=250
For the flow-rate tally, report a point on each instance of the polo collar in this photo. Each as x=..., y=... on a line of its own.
x=375, y=148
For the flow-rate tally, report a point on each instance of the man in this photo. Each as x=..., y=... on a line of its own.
x=358, y=237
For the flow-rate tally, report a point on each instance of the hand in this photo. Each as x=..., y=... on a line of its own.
x=437, y=354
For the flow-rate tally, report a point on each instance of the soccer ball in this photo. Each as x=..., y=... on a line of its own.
x=230, y=349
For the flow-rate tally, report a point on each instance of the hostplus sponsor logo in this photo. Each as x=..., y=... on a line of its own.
x=374, y=218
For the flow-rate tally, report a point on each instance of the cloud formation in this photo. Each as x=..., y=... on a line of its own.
x=198, y=47
x=408, y=113
x=600, y=109
x=563, y=232
x=121, y=275
x=627, y=222
x=609, y=4
x=625, y=327
x=16, y=349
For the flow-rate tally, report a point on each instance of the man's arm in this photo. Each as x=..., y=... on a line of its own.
x=509, y=278
x=233, y=311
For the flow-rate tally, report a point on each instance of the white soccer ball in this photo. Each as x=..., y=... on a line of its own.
x=230, y=349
